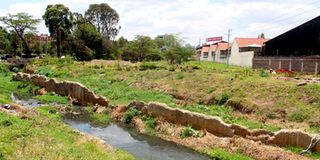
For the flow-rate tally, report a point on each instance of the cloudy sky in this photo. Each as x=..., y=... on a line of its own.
x=192, y=19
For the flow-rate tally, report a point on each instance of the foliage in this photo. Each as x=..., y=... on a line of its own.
x=130, y=113
x=151, y=123
x=190, y=132
x=221, y=154
x=104, y=18
x=90, y=37
x=224, y=98
x=21, y=23
x=4, y=40
x=98, y=119
x=264, y=73
x=57, y=20
x=147, y=65
x=299, y=116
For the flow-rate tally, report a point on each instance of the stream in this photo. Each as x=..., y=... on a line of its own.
x=123, y=137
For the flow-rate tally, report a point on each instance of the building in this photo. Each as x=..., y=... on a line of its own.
x=221, y=52
x=244, y=49
x=296, y=50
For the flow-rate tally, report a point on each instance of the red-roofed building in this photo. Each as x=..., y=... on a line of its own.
x=221, y=52
x=244, y=49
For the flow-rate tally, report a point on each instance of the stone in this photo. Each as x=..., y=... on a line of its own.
x=302, y=84
x=42, y=91
x=100, y=110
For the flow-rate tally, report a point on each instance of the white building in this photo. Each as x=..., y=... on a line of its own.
x=244, y=49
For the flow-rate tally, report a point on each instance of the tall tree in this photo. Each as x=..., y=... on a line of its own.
x=57, y=19
x=4, y=39
x=21, y=23
x=104, y=18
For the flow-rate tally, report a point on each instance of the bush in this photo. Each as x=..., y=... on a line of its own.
x=147, y=65
x=130, y=113
x=299, y=116
x=4, y=68
x=151, y=122
x=224, y=98
x=264, y=73
x=190, y=132
x=195, y=67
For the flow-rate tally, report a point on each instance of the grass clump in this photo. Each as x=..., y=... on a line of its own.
x=190, y=132
x=299, y=116
x=298, y=150
x=264, y=73
x=98, y=119
x=151, y=123
x=221, y=154
x=130, y=113
x=147, y=66
x=224, y=98
x=52, y=98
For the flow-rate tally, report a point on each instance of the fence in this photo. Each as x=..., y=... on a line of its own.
x=297, y=64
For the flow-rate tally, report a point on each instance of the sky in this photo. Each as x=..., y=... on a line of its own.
x=193, y=20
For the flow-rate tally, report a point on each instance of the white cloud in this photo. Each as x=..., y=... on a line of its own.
x=194, y=19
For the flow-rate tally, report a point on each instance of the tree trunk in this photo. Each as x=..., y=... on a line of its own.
x=58, y=43
x=25, y=46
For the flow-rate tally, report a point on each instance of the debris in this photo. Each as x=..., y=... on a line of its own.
x=6, y=106
x=302, y=83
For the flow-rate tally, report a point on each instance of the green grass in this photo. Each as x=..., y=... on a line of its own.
x=44, y=136
x=102, y=119
x=221, y=154
x=52, y=98
x=158, y=81
x=298, y=150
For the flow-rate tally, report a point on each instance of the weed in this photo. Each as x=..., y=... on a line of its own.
x=224, y=98
x=147, y=65
x=299, y=116
x=190, y=132
x=264, y=73
x=221, y=154
x=130, y=113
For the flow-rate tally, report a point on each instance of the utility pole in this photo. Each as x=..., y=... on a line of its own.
x=228, y=50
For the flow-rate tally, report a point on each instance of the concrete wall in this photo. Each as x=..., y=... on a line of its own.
x=65, y=88
x=243, y=59
x=210, y=57
x=297, y=64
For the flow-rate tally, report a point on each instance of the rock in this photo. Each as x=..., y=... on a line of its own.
x=240, y=130
x=42, y=91
x=101, y=110
x=136, y=104
x=302, y=83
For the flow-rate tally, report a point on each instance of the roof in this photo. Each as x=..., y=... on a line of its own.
x=213, y=47
x=205, y=49
x=251, y=42
x=224, y=46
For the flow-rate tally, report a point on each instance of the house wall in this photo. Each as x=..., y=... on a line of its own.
x=297, y=64
x=240, y=58
x=218, y=58
x=209, y=58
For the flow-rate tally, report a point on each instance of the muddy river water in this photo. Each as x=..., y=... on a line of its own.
x=123, y=137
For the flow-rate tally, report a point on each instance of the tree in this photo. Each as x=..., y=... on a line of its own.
x=174, y=50
x=21, y=23
x=4, y=40
x=57, y=19
x=142, y=46
x=104, y=18
x=261, y=36
x=88, y=34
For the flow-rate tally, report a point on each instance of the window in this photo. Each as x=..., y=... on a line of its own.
x=205, y=54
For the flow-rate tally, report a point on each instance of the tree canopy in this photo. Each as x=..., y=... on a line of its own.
x=21, y=23
x=57, y=19
x=104, y=18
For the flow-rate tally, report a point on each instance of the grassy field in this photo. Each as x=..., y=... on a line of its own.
x=43, y=135
x=276, y=103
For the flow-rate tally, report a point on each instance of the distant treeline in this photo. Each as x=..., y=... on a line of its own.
x=85, y=36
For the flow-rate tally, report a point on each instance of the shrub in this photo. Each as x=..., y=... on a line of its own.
x=195, y=67
x=264, y=73
x=190, y=132
x=130, y=113
x=299, y=116
x=171, y=68
x=4, y=68
x=224, y=98
x=147, y=65
x=151, y=122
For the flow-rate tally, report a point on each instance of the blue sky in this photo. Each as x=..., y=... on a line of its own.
x=192, y=19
